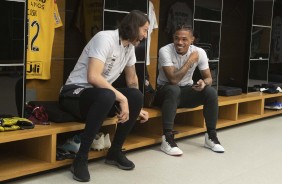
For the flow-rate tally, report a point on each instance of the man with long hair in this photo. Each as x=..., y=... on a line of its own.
x=89, y=95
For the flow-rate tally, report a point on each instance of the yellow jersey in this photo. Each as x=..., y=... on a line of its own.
x=43, y=18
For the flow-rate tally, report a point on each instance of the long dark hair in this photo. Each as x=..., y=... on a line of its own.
x=129, y=26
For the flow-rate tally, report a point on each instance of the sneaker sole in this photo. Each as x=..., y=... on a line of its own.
x=76, y=178
x=112, y=162
x=206, y=146
x=273, y=108
x=163, y=150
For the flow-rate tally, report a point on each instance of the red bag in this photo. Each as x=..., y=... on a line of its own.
x=36, y=114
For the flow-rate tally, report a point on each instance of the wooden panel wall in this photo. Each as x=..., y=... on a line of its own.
x=48, y=90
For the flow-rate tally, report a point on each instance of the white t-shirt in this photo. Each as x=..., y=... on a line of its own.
x=105, y=46
x=153, y=25
x=169, y=57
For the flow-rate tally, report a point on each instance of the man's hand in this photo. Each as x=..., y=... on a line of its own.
x=199, y=86
x=193, y=58
x=123, y=115
x=144, y=116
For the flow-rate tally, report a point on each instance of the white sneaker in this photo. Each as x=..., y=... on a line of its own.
x=98, y=143
x=107, y=141
x=169, y=146
x=214, y=144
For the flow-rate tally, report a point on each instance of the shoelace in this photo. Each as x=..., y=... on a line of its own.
x=170, y=138
x=214, y=139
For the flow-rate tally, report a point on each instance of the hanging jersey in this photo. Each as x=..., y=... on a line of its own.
x=153, y=25
x=276, y=54
x=90, y=18
x=179, y=14
x=57, y=18
x=41, y=30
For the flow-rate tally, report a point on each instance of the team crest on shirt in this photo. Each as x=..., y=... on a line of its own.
x=114, y=57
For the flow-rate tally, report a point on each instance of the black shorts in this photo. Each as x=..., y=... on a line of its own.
x=69, y=99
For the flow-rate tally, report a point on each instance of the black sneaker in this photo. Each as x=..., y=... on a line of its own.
x=119, y=159
x=79, y=169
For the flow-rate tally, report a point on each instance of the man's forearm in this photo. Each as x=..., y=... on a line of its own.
x=208, y=81
x=133, y=85
x=178, y=74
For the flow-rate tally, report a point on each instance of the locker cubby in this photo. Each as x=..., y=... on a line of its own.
x=269, y=112
x=189, y=123
x=249, y=110
x=147, y=133
x=26, y=156
x=152, y=128
x=273, y=99
x=227, y=114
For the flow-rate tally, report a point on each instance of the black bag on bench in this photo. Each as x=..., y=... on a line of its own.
x=229, y=91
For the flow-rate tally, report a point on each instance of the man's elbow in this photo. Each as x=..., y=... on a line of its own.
x=93, y=80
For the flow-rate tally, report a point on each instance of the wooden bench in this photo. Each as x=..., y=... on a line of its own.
x=30, y=151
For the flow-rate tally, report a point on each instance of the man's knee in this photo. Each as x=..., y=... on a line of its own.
x=172, y=90
x=109, y=96
x=210, y=93
x=136, y=94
